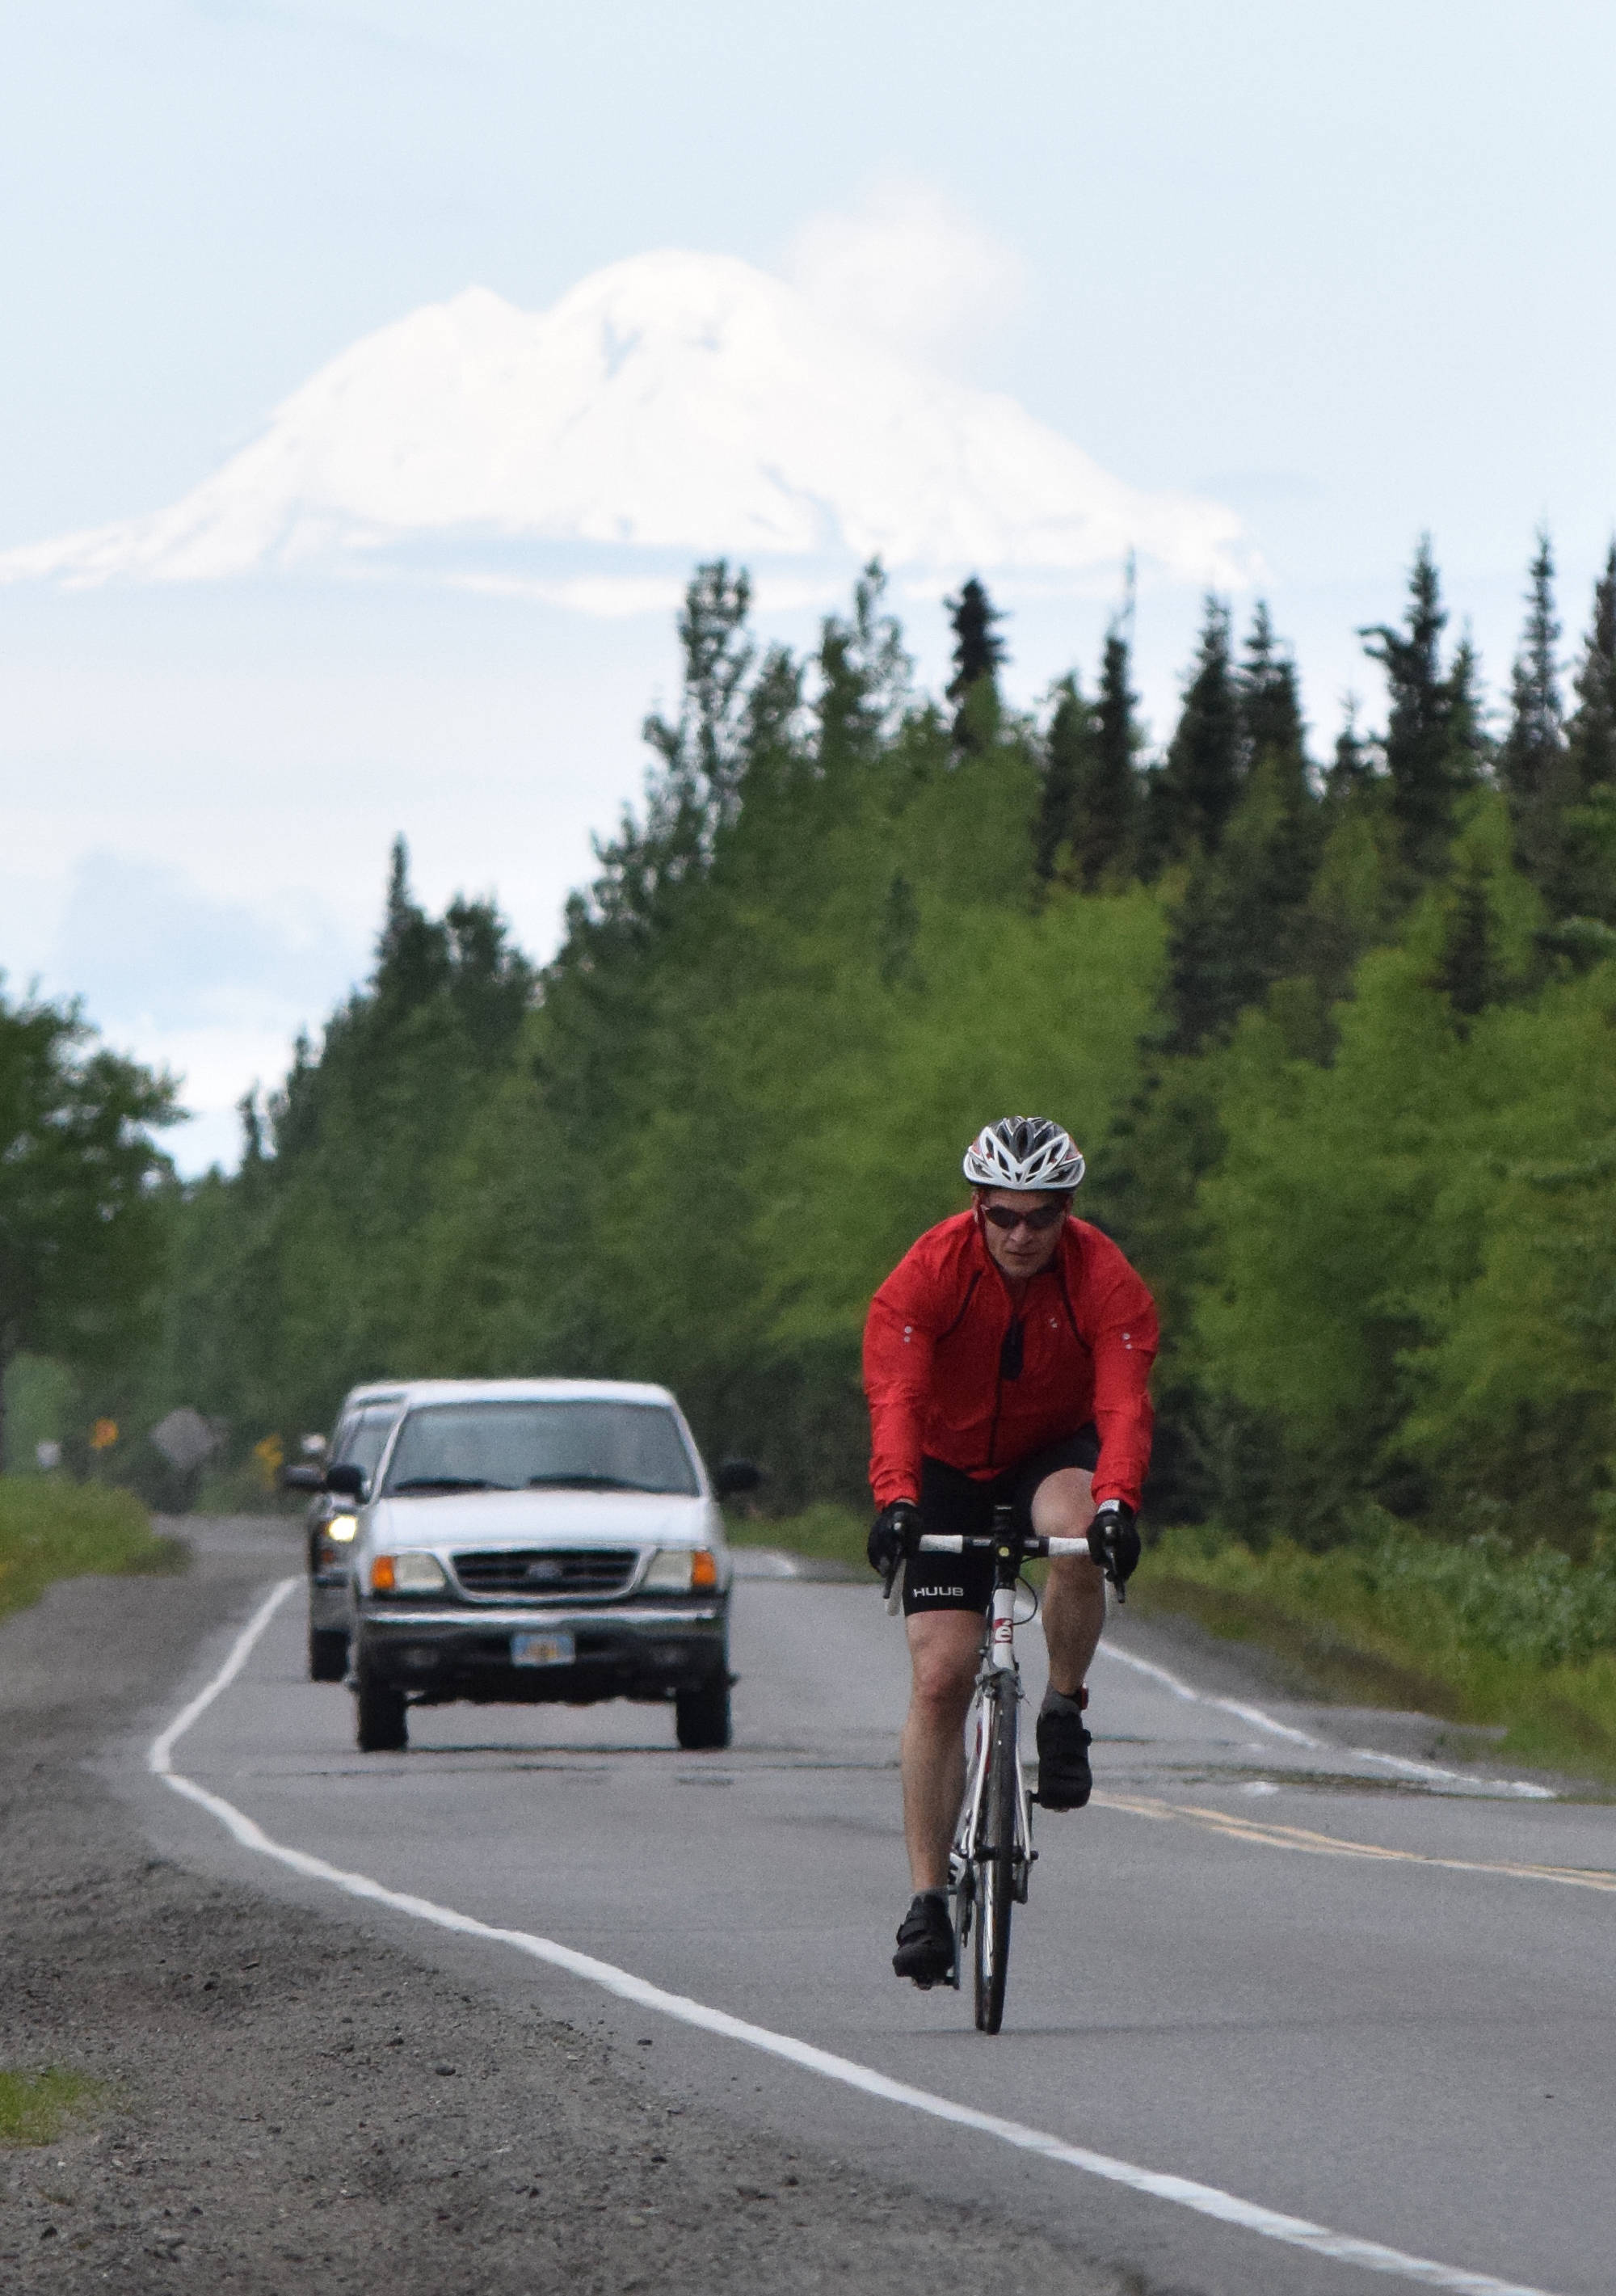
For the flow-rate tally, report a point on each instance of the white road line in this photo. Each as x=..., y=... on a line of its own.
x=1258, y=1721
x=1205, y=2200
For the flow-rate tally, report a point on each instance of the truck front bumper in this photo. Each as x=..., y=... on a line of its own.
x=635, y=1650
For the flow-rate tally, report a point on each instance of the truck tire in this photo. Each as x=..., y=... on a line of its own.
x=327, y=1654
x=382, y=1725
x=702, y=1718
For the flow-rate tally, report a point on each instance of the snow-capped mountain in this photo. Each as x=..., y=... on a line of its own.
x=673, y=404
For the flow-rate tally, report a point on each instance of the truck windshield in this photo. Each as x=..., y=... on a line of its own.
x=363, y=1440
x=565, y=1445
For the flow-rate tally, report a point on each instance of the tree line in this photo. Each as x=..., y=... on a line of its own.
x=1336, y=1034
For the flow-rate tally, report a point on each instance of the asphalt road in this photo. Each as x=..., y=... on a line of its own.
x=1210, y=1982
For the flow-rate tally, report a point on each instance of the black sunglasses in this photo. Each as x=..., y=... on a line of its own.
x=1006, y=1217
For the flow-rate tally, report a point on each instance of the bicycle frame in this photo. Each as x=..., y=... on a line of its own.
x=997, y=1705
x=1000, y=1677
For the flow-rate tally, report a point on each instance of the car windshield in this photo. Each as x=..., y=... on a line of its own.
x=570, y=1445
x=363, y=1440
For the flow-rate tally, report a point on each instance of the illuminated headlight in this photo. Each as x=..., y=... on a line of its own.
x=406, y=1574
x=343, y=1526
x=677, y=1569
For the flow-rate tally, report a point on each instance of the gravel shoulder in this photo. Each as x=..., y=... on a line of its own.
x=289, y=2103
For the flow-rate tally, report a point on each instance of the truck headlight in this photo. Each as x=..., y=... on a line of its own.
x=680, y=1570
x=406, y=1574
x=342, y=1526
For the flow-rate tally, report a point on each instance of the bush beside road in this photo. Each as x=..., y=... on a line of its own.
x=53, y=1529
x=1521, y=1644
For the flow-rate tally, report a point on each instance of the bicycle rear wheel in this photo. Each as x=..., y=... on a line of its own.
x=995, y=1861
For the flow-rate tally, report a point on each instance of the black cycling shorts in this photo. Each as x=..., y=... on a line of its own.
x=951, y=1502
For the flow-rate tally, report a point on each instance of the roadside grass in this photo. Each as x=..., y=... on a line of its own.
x=1521, y=1645
x=834, y=1534
x=53, y=1529
x=36, y=2107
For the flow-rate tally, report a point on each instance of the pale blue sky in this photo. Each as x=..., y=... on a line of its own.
x=1349, y=270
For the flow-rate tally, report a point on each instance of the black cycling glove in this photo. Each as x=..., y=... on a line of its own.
x=1113, y=1539
x=889, y=1535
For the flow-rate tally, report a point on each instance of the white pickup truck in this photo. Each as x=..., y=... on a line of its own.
x=525, y=1540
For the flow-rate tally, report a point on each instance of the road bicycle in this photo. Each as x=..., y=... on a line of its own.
x=990, y=1862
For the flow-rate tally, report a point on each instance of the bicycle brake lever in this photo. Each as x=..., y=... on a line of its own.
x=1108, y=1569
x=890, y=1590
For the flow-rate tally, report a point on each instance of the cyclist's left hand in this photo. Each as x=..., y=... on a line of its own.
x=1113, y=1541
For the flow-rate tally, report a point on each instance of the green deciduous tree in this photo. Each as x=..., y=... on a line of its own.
x=81, y=1232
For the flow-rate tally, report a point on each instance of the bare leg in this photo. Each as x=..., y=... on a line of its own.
x=1074, y=1600
x=944, y=1646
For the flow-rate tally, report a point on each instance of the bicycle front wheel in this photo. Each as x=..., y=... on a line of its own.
x=995, y=1862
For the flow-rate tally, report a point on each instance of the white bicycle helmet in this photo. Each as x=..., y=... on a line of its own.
x=1023, y=1152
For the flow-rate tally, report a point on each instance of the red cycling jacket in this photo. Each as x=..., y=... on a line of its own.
x=935, y=1361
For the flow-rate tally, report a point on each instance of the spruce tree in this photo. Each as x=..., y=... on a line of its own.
x=1585, y=881
x=979, y=653
x=1467, y=973
x=1351, y=770
x=1067, y=747
x=1116, y=736
x=412, y=958
x=1270, y=704
x=1239, y=926
x=1431, y=736
x=1533, y=763
x=1104, y=833
x=1593, y=729
x=1198, y=787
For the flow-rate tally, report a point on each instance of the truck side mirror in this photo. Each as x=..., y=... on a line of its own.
x=345, y=1480
x=735, y=1476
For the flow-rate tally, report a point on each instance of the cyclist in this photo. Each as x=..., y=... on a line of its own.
x=1007, y=1358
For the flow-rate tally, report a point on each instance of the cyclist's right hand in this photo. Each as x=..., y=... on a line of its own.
x=890, y=1534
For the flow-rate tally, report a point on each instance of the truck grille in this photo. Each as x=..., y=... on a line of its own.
x=547, y=1571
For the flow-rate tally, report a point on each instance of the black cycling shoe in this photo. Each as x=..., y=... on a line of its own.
x=1065, y=1780
x=925, y=1943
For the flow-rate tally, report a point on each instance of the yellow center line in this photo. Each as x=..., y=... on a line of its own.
x=1237, y=1828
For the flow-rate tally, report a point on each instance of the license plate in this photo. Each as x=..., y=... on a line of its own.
x=542, y=1649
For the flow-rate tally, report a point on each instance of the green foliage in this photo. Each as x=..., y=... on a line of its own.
x=53, y=1529
x=1433, y=745
x=1535, y=764
x=40, y=1406
x=825, y=1532
x=1198, y=784
x=299, y=1276
x=1339, y=1047
x=1474, y=1631
x=80, y=1235
x=979, y=653
x=1364, y=1213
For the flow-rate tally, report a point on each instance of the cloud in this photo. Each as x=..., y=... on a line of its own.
x=214, y=991
x=148, y=947
x=907, y=268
